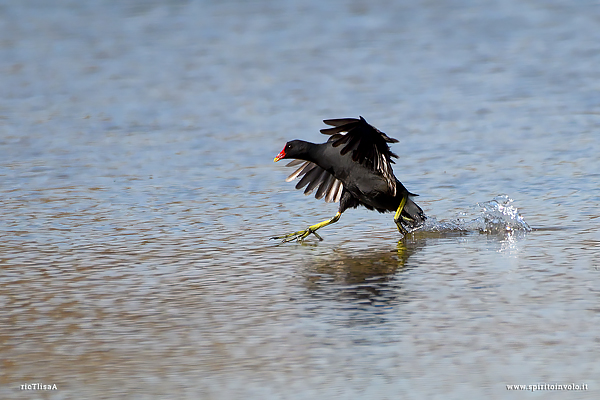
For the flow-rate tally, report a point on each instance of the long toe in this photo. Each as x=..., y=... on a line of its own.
x=401, y=228
x=298, y=236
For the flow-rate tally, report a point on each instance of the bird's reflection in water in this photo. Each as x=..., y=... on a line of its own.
x=363, y=280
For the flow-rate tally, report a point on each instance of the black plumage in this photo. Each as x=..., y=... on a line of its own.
x=354, y=168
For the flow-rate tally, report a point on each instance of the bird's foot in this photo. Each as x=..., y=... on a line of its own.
x=298, y=236
x=301, y=235
x=409, y=228
x=403, y=231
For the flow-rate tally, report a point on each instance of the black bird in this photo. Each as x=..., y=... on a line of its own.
x=353, y=167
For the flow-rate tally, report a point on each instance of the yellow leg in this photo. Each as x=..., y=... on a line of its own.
x=301, y=235
x=398, y=215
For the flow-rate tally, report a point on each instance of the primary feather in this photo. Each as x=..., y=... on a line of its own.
x=369, y=146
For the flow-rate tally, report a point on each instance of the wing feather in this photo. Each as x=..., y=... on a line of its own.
x=340, y=121
x=309, y=176
x=313, y=176
x=332, y=193
x=324, y=186
x=300, y=171
x=367, y=144
x=340, y=191
x=321, y=177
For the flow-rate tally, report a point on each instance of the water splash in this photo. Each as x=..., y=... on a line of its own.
x=497, y=216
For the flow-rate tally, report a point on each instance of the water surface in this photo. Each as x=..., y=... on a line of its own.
x=139, y=194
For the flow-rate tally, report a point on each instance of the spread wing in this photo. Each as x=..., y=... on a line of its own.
x=369, y=146
x=313, y=176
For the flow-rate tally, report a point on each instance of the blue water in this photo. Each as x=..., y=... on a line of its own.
x=139, y=195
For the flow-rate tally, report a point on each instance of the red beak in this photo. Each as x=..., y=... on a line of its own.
x=280, y=156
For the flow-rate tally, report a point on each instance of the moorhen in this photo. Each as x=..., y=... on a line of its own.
x=354, y=168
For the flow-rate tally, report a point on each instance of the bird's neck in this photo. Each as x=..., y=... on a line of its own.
x=312, y=152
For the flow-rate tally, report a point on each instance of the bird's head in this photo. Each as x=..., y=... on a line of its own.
x=291, y=150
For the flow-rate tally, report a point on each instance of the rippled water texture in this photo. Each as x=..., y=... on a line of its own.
x=139, y=195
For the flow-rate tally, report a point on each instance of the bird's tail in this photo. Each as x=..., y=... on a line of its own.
x=412, y=216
